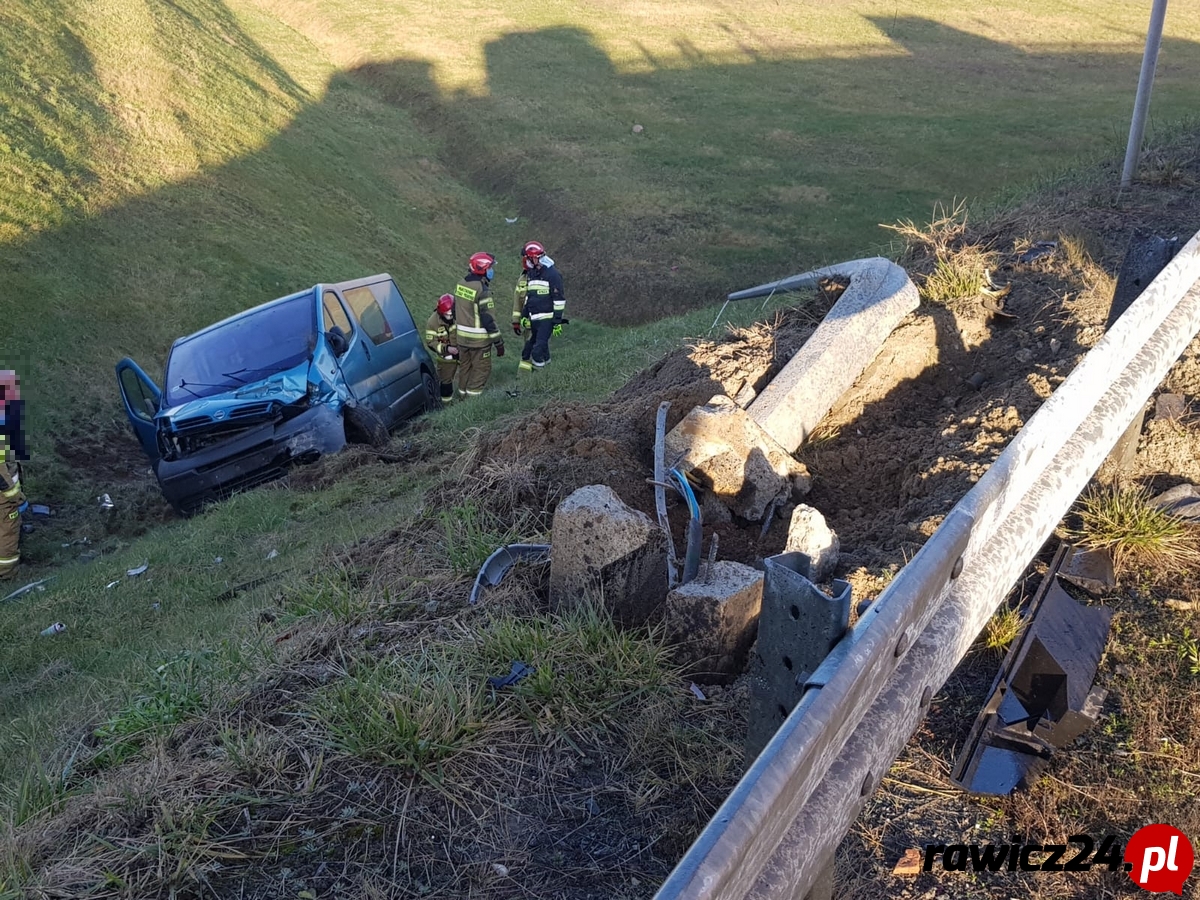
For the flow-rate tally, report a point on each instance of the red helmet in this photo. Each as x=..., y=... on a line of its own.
x=532, y=254
x=445, y=305
x=481, y=262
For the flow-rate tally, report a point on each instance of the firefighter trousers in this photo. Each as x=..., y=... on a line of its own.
x=474, y=369
x=537, y=343
x=446, y=371
x=11, y=499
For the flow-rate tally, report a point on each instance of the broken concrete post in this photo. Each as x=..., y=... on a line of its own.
x=809, y=534
x=712, y=621
x=848, y=339
x=734, y=458
x=603, y=549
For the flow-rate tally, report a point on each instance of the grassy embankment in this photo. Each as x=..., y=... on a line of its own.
x=164, y=166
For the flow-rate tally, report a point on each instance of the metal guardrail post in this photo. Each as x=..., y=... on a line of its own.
x=797, y=628
x=783, y=820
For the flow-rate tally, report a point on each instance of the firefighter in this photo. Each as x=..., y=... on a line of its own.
x=442, y=340
x=12, y=448
x=538, y=306
x=477, y=335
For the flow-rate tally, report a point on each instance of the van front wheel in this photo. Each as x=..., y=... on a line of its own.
x=363, y=426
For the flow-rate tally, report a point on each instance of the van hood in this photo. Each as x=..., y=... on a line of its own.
x=246, y=404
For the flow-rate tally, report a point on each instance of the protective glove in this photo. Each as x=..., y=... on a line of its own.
x=499, y=345
x=556, y=330
x=517, y=328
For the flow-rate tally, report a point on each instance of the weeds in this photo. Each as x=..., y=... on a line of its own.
x=414, y=711
x=177, y=691
x=1185, y=647
x=1002, y=629
x=471, y=535
x=1123, y=521
x=959, y=267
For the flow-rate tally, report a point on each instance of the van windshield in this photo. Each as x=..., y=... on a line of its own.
x=248, y=349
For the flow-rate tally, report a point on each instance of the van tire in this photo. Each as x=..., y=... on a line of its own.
x=363, y=426
x=433, y=393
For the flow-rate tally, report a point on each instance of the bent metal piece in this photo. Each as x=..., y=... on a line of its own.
x=845, y=343
x=495, y=567
x=1042, y=697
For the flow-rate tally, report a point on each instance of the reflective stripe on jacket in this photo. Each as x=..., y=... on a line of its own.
x=440, y=337
x=473, y=322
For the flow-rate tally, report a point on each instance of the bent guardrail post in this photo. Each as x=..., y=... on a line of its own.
x=791, y=809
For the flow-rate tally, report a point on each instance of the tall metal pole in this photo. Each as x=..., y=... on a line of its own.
x=1141, y=105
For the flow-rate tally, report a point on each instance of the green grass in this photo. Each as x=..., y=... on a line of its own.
x=1122, y=520
x=420, y=710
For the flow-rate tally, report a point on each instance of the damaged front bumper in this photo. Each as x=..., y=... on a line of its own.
x=253, y=457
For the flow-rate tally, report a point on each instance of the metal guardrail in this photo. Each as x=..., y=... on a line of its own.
x=781, y=824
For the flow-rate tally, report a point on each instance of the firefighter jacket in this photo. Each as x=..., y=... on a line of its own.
x=440, y=336
x=473, y=306
x=539, y=295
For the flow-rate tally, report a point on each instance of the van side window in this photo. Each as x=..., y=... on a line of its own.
x=388, y=296
x=335, y=314
x=370, y=314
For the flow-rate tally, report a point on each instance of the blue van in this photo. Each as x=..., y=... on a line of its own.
x=282, y=383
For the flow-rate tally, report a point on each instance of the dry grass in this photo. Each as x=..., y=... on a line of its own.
x=948, y=263
x=1122, y=520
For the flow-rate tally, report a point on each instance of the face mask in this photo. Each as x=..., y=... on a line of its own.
x=490, y=272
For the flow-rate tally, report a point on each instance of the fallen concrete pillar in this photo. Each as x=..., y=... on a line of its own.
x=848, y=339
x=712, y=621
x=602, y=550
x=734, y=458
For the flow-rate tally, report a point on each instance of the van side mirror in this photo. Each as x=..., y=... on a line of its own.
x=338, y=342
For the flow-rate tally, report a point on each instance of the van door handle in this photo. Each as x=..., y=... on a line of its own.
x=366, y=349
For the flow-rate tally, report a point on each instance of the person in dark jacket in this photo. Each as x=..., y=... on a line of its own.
x=539, y=306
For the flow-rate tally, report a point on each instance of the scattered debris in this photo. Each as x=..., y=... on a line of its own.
x=135, y=572
x=496, y=566
x=519, y=671
x=39, y=509
x=1055, y=345
x=51, y=630
x=977, y=381
x=105, y=501
x=1182, y=501
x=909, y=863
x=696, y=692
x=112, y=584
x=272, y=554
x=155, y=605
x=245, y=586
x=217, y=560
x=638, y=129
x=1170, y=407
x=1091, y=570
x=1043, y=697
x=512, y=221
x=809, y=534
x=499, y=868
x=1037, y=250
x=431, y=606
x=995, y=305
x=1179, y=605
x=32, y=586
x=592, y=806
